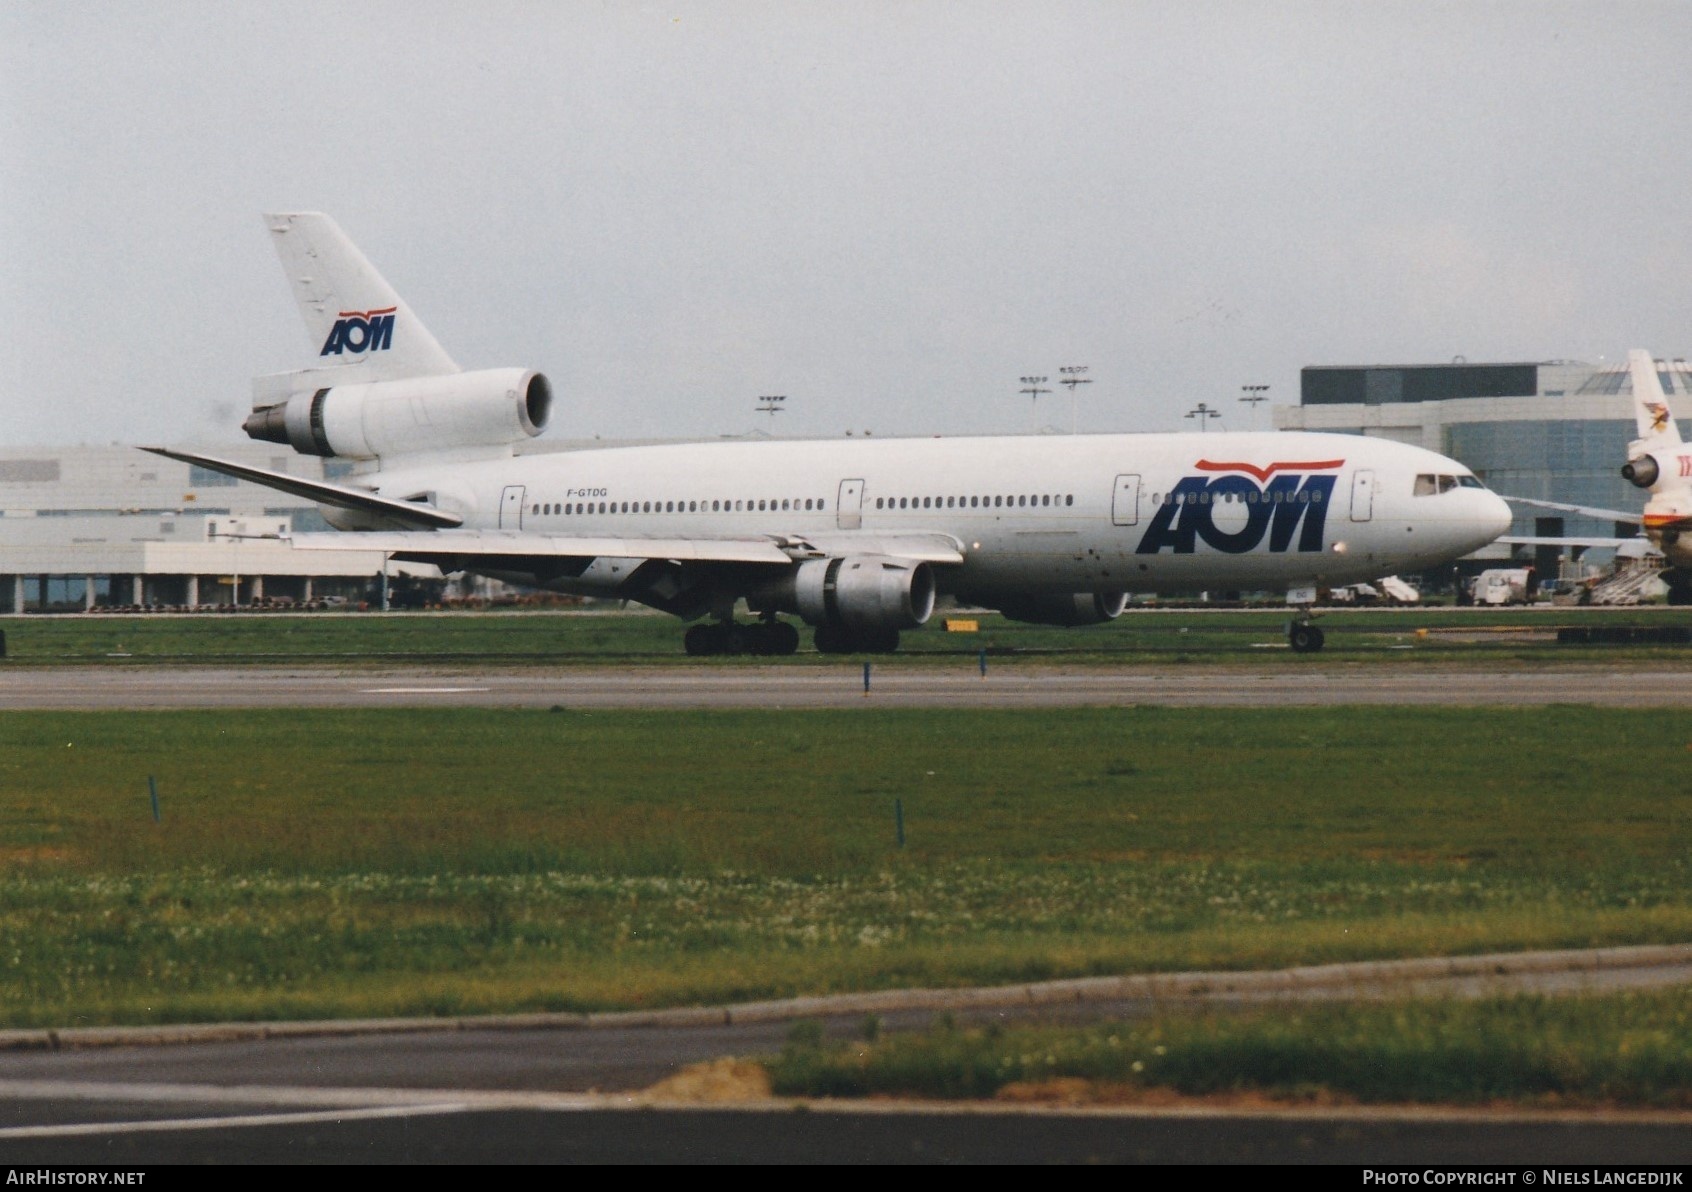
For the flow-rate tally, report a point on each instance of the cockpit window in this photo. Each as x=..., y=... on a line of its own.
x=1428, y=484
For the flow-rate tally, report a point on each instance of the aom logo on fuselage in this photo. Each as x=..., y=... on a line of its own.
x=359, y=331
x=1234, y=505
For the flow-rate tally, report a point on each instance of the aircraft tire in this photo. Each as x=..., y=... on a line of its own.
x=1679, y=587
x=1305, y=639
x=881, y=641
x=833, y=639
x=702, y=641
x=782, y=638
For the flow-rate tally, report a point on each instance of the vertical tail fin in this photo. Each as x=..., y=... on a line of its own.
x=1650, y=405
x=358, y=324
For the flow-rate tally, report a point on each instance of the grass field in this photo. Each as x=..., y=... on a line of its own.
x=1628, y=1050
x=372, y=863
x=1213, y=636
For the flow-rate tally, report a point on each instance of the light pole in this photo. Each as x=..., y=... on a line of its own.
x=1204, y=414
x=1031, y=386
x=1253, y=395
x=1072, y=376
x=771, y=405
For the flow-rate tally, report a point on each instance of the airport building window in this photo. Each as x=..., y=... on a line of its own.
x=1435, y=382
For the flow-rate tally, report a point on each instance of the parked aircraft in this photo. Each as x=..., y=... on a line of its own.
x=855, y=537
x=1661, y=464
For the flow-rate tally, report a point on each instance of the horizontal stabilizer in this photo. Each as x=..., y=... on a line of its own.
x=406, y=512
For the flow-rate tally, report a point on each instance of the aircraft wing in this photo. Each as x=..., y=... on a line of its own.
x=457, y=550
x=406, y=512
x=1636, y=517
x=1512, y=540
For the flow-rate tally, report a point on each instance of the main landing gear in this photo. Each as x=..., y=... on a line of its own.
x=837, y=639
x=1304, y=637
x=730, y=637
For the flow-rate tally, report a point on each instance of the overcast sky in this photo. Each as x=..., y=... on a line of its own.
x=887, y=212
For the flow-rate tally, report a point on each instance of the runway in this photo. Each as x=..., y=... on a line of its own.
x=881, y=685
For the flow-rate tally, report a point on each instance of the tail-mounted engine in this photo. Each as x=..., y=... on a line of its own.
x=489, y=408
x=1064, y=608
x=1642, y=471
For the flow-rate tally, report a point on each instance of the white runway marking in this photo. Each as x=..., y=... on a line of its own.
x=218, y=1123
x=426, y=690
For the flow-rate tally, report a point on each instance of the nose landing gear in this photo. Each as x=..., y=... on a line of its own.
x=1304, y=637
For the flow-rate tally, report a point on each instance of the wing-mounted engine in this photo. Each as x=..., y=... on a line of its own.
x=489, y=408
x=1064, y=608
x=856, y=602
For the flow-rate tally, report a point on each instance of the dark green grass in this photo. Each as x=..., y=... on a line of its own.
x=1191, y=636
x=1632, y=1049
x=364, y=863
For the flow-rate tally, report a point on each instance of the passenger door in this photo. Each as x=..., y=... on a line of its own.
x=849, y=513
x=511, y=507
x=1362, y=494
x=1125, y=503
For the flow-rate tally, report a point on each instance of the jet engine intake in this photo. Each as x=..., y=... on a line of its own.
x=1641, y=472
x=489, y=408
x=1065, y=608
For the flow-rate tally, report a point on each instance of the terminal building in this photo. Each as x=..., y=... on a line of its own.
x=112, y=527
x=1555, y=430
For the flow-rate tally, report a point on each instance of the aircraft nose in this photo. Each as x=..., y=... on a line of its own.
x=1495, y=516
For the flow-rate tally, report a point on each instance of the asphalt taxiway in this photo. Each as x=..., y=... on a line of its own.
x=846, y=685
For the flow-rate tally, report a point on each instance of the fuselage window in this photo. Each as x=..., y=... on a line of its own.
x=1316, y=497
x=1426, y=485
x=1069, y=500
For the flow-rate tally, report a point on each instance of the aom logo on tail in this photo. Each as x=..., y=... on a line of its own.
x=359, y=331
x=1233, y=505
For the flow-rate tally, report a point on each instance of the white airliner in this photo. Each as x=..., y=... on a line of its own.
x=856, y=537
x=1659, y=463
